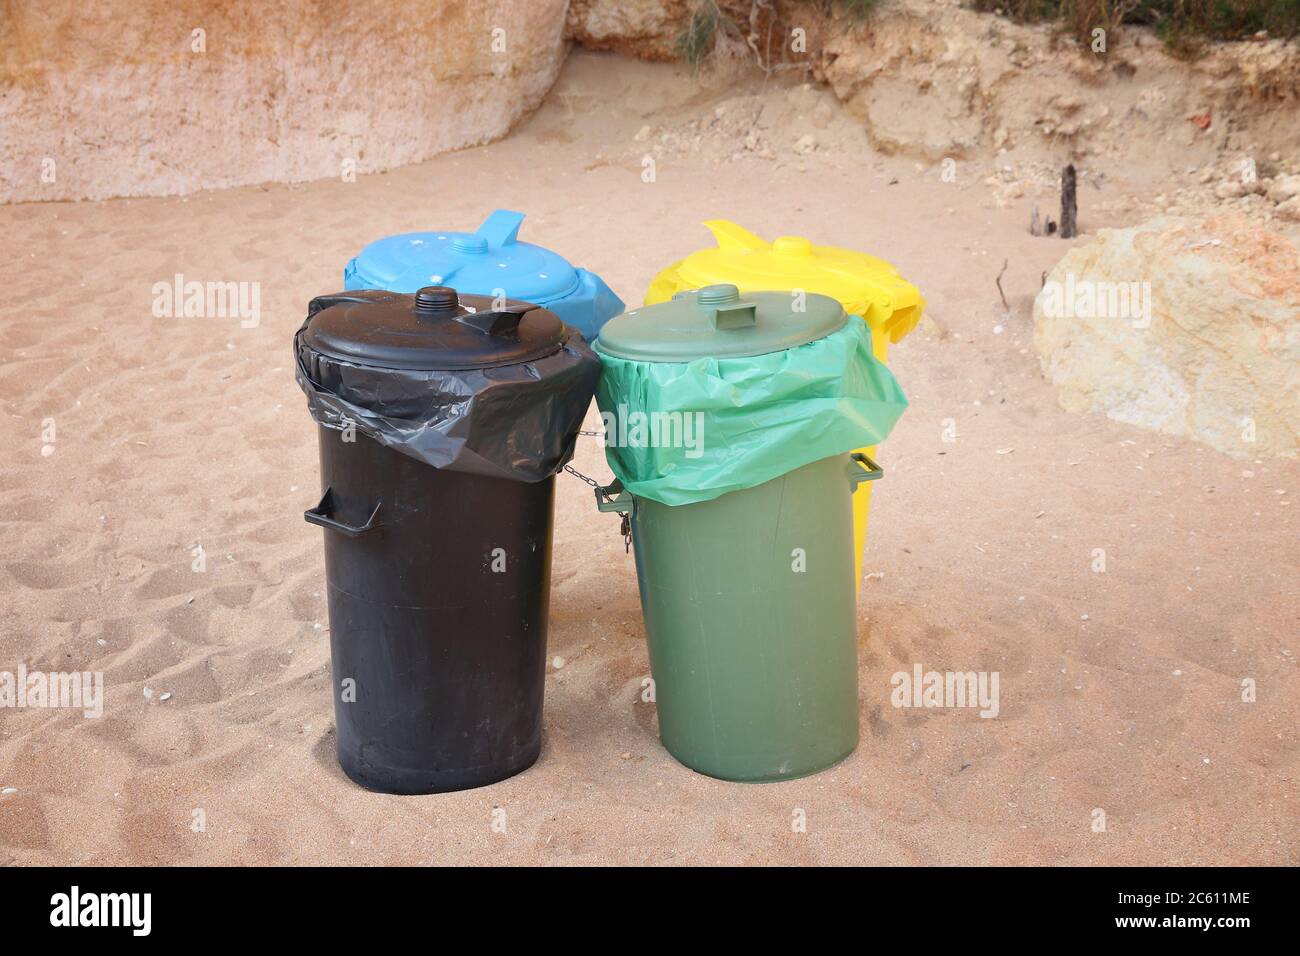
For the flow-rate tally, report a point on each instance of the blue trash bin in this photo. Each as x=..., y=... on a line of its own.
x=490, y=261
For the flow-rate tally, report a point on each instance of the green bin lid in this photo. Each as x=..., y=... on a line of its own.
x=717, y=322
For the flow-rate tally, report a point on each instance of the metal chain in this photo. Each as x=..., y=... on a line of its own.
x=625, y=525
x=625, y=529
x=581, y=477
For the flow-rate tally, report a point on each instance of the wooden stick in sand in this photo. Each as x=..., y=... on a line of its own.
x=1069, y=203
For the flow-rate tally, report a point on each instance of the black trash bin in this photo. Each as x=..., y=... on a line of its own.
x=443, y=421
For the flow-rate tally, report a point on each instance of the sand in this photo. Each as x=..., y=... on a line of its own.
x=1120, y=691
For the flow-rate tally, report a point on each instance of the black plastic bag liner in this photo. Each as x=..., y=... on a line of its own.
x=462, y=383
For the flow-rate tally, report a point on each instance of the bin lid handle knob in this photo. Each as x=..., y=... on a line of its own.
x=501, y=228
x=443, y=302
x=730, y=236
x=492, y=323
x=727, y=311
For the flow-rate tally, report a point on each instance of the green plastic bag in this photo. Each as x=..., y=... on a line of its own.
x=745, y=420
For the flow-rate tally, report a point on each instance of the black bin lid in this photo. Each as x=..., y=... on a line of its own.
x=436, y=328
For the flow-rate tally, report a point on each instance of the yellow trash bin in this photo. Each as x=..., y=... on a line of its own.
x=866, y=286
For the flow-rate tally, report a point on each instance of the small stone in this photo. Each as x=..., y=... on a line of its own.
x=1229, y=189
x=1290, y=209
x=1284, y=188
x=558, y=662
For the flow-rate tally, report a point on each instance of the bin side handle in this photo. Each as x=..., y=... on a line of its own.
x=322, y=515
x=867, y=469
x=612, y=497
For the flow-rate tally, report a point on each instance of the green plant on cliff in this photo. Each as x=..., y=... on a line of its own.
x=698, y=36
x=860, y=9
x=1182, y=24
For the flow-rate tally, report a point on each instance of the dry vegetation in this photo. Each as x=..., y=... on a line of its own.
x=1183, y=24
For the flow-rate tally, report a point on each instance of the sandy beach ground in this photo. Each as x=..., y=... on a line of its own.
x=1120, y=691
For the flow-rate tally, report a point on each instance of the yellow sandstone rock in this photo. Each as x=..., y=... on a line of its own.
x=1181, y=326
x=165, y=97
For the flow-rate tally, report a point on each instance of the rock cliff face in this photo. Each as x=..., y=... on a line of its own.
x=647, y=29
x=1184, y=327
x=932, y=79
x=151, y=97
x=160, y=97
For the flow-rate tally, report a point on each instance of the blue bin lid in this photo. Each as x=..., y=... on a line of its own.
x=490, y=258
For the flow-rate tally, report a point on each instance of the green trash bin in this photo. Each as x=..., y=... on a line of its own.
x=729, y=424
